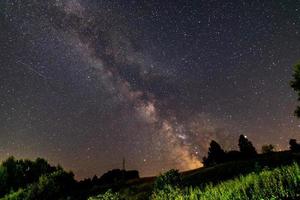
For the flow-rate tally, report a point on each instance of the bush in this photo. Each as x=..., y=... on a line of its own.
x=170, y=178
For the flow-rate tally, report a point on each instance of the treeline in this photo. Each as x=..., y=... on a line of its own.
x=34, y=180
x=217, y=155
x=38, y=180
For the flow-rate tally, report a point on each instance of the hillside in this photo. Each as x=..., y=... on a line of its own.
x=200, y=178
x=279, y=183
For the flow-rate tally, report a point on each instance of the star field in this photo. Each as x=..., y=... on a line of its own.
x=88, y=83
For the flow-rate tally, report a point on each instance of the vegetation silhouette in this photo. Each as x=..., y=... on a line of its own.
x=268, y=148
x=294, y=146
x=171, y=177
x=246, y=147
x=217, y=155
x=30, y=180
x=36, y=180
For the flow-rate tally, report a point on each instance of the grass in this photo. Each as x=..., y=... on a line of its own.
x=275, y=184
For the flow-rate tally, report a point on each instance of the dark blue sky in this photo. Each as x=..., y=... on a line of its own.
x=86, y=83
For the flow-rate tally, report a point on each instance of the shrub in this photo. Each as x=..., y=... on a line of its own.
x=170, y=178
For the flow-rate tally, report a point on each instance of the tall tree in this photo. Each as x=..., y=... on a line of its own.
x=246, y=147
x=215, y=154
x=295, y=83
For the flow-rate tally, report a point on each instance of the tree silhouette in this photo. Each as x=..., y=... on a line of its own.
x=294, y=146
x=215, y=154
x=246, y=147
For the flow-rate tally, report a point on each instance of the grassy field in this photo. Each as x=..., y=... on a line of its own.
x=278, y=183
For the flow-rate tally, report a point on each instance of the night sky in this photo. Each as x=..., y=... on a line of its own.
x=85, y=83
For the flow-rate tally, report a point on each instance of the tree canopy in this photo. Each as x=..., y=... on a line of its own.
x=215, y=154
x=246, y=146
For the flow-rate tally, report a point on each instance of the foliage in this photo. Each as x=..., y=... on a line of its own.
x=56, y=185
x=140, y=190
x=109, y=195
x=246, y=147
x=171, y=177
x=215, y=155
x=168, y=192
x=15, y=174
x=268, y=148
x=279, y=183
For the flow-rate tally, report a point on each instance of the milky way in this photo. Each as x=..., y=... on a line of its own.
x=88, y=83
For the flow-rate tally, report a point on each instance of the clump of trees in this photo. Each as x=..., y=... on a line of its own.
x=57, y=185
x=36, y=180
x=16, y=174
x=217, y=155
x=30, y=180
